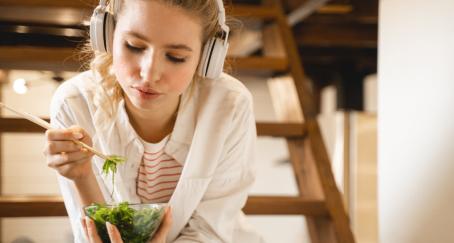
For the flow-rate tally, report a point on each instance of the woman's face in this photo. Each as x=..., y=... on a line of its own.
x=156, y=51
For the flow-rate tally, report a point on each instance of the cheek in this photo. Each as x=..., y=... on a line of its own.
x=181, y=76
x=182, y=79
x=122, y=65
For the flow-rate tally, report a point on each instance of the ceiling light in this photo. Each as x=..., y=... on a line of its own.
x=20, y=86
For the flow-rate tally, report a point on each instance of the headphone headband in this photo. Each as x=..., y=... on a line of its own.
x=211, y=64
x=221, y=15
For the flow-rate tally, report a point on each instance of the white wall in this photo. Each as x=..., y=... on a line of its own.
x=416, y=129
x=370, y=93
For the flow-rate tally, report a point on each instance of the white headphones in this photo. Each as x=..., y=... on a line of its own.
x=102, y=25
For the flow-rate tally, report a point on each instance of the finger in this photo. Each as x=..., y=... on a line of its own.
x=58, y=160
x=55, y=147
x=68, y=169
x=165, y=226
x=91, y=230
x=85, y=136
x=63, y=134
x=114, y=234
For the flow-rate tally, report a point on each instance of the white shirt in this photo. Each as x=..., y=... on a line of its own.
x=213, y=138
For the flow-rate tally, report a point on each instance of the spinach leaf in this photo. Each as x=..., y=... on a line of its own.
x=110, y=166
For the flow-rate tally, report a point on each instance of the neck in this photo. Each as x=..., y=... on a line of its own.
x=152, y=125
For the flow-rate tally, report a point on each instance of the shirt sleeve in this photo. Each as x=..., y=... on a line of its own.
x=215, y=218
x=60, y=117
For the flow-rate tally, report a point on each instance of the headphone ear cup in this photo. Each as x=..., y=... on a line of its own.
x=204, y=59
x=213, y=58
x=109, y=29
x=102, y=25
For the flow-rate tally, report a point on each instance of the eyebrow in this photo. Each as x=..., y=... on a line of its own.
x=169, y=46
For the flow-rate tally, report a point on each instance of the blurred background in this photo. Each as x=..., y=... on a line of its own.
x=381, y=78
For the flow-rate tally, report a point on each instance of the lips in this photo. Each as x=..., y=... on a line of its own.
x=147, y=90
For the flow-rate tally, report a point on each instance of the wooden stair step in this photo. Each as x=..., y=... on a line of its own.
x=237, y=10
x=32, y=206
x=50, y=3
x=284, y=205
x=250, y=10
x=274, y=129
x=53, y=206
x=19, y=125
x=276, y=64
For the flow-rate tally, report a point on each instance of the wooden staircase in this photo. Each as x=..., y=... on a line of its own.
x=319, y=198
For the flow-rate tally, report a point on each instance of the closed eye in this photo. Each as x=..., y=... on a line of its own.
x=175, y=59
x=170, y=57
x=133, y=49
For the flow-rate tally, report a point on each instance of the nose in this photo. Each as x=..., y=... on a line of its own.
x=149, y=66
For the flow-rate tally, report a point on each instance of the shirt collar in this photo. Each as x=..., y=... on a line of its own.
x=183, y=131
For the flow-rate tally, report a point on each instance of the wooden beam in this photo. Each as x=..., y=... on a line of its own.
x=285, y=99
x=309, y=185
x=296, y=69
x=238, y=10
x=306, y=176
x=337, y=35
x=41, y=16
x=39, y=58
x=339, y=223
x=365, y=8
x=273, y=45
x=305, y=10
x=366, y=19
x=333, y=199
x=335, y=9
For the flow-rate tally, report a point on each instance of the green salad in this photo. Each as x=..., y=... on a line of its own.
x=110, y=166
x=136, y=222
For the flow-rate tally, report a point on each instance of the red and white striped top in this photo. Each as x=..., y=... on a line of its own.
x=158, y=174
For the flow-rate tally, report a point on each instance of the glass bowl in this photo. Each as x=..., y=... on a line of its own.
x=137, y=223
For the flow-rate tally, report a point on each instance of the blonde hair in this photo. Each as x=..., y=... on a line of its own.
x=109, y=92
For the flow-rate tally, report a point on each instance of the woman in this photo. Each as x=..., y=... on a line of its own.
x=188, y=133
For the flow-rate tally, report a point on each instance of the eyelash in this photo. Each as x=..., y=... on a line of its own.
x=171, y=58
